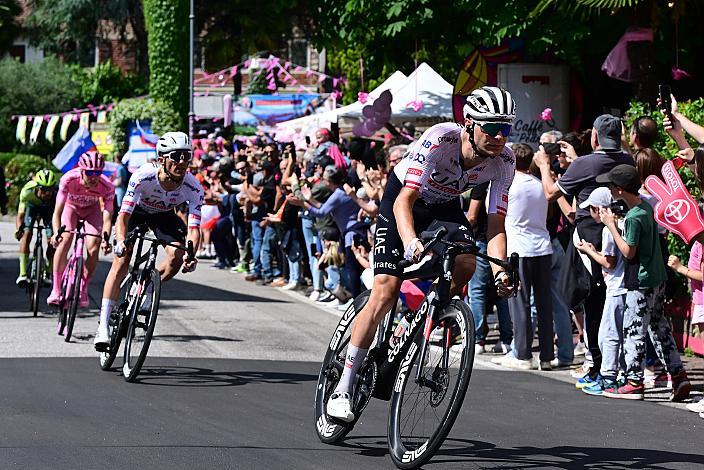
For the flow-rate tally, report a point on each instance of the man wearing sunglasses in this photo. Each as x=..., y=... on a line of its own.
x=84, y=194
x=153, y=194
x=423, y=192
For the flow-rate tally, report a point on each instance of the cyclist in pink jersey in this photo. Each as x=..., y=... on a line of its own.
x=84, y=194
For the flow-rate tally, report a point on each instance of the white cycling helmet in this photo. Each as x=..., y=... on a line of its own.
x=173, y=141
x=490, y=104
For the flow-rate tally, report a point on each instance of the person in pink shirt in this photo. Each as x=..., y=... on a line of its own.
x=84, y=194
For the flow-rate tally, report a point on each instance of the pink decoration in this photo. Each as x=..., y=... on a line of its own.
x=546, y=115
x=246, y=63
x=271, y=86
x=679, y=74
x=47, y=118
x=270, y=75
x=362, y=97
x=287, y=64
x=337, y=94
x=233, y=71
x=617, y=65
x=298, y=69
x=74, y=117
x=309, y=73
x=30, y=118
x=321, y=78
x=417, y=105
x=335, y=81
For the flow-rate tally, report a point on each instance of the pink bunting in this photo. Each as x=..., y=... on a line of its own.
x=362, y=97
x=233, y=71
x=309, y=73
x=246, y=63
x=298, y=69
x=287, y=64
x=74, y=117
x=30, y=118
x=322, y=78
x=271, y=85
x=416, y=105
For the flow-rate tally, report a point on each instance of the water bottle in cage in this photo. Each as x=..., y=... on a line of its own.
x=400, y=329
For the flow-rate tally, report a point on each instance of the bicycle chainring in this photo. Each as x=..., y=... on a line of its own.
x=368, y=374
x=442, y=379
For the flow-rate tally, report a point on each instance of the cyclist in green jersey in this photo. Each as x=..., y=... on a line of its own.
x=36, y=200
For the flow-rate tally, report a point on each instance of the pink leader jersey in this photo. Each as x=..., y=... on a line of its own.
x=76, y=196
x=83, y=202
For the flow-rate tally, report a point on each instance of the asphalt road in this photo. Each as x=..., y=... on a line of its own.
x=230, y=384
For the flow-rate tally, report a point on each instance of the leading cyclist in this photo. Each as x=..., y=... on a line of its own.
x=153, y=194
x=37, y=199
x=423, y=192
x=84, y=194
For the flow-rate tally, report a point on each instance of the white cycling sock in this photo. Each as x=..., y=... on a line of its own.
x=105, y=309
x=353, y=361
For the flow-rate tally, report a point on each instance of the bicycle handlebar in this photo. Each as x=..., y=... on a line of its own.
x=433, y=237
x=138, y=233
x=105, y=236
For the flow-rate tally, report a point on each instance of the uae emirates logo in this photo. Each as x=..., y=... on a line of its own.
x=676, y=211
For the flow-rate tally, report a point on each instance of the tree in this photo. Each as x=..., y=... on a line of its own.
x=167, y=29
x=230, y=31
x=68, y=28
x=9, y=29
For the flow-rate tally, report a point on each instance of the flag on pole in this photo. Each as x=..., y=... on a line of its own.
x=147, y=138
x=80, y=143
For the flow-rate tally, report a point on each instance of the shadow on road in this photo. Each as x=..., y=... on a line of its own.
x=176, y=376
x=189, y=338
x=486, y=455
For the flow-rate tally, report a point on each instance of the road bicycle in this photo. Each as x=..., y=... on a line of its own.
x=425, y=373
x=142, y=286
x=37, y=269
x=72, y=279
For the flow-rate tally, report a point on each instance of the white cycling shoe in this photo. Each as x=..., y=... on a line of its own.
x=340, y=407
x=102, y=339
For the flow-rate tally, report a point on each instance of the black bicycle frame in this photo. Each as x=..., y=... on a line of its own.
x=426, y=315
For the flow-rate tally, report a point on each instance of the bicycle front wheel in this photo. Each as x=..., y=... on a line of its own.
x=141, y=325
x=116, y=322
x=76, y=278
x=36, y=271
x=423, y=410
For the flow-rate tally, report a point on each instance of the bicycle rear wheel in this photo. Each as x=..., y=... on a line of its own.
x=75, y=278
x=117, y=324
x=330, y=430
x=141, y=326
x=36, y=278
x=423, y=412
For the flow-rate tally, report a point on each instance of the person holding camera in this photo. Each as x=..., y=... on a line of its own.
x=645, y=283
x=579, y=281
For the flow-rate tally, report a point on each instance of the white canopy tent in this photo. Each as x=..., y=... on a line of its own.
x=424, y=85
x=308, y=124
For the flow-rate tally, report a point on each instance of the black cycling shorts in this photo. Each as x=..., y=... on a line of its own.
x=167, y=226
x=44, y=212
x=388, y=247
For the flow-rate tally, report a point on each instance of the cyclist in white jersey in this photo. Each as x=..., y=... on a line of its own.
x=154, y=193
x=423, y=192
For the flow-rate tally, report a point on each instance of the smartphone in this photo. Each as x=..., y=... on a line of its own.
x=551, y=148
x=665, y=99
x=307, y=140
x=313, y=248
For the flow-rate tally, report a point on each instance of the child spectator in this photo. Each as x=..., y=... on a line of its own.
x=644, y=279
x=611, y=327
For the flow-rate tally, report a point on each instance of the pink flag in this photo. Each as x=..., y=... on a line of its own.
x=233, y=71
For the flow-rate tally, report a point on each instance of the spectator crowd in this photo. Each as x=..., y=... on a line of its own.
x=302, y=218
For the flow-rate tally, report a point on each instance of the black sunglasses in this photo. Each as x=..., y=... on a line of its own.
x=493, y=128
x=178, y=156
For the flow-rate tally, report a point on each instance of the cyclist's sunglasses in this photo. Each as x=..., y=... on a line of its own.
x=178, y=156
x=493, y=128
x=93, y=172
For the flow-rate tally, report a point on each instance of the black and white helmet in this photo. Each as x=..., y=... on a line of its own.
x=173, y=141
x=490, y=104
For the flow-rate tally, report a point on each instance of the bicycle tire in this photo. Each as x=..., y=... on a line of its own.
x=330, y=431
x=133, y=363
x=406, y=450
x=75, y=297
x=37, y=278
x=63, y=305
x=117, y=327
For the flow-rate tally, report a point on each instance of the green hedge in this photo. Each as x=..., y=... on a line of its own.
x=162, y=116
x=667, y=147
x=19, y=170
x=167, y=30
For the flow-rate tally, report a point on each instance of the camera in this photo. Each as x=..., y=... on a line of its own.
x=619, y=208
x=665, y=99
x=552, y=148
